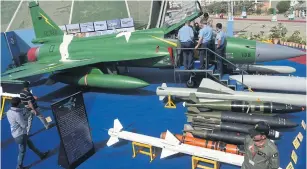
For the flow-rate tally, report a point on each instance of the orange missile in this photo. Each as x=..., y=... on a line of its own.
x=215, y=145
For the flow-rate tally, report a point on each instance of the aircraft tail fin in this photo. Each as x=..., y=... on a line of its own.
x=170, y=139
x=116, y=128
x=44, y=27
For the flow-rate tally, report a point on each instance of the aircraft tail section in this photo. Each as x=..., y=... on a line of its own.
x=44, y=27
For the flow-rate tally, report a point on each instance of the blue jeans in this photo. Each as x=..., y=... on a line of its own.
x=187, y=54
x=22, y=142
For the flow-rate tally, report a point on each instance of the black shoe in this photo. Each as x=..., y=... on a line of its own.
x=44, y=155
x=23, y=167
x=201, y=68
x=50, y=126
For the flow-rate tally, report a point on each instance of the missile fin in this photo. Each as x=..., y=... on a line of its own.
x=117, y=125
x=193, y=98
x=211, y=85
x=113, y=140
x=193, y=109
x=172, y=140
x=161, y=98
x=189, y=119
x=166, y=153
x=187, y=127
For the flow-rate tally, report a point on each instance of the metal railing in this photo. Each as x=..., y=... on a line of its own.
x=207, y=59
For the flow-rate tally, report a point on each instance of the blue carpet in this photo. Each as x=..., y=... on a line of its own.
x=142, y=112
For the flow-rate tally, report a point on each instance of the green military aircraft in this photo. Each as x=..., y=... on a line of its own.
x=93, y=61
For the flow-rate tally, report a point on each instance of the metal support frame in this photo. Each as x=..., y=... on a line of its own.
x=206, y=71
x=170, y=103
x=4, y=98
x=151, y=152
x=196, y=160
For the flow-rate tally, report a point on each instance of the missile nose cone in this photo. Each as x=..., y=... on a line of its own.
x=287, y=108
x=291, y=124
x=270, y=52
x=133, y=83
x=141, y=84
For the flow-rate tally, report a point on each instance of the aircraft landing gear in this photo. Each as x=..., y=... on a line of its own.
x=191, y=83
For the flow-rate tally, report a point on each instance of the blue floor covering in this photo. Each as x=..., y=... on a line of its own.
x=143, y=112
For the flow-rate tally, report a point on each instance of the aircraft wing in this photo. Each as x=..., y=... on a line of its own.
x=37, y=68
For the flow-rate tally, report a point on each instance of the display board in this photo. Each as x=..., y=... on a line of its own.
x=73, y=127
x=184, y=10
x=99, y=28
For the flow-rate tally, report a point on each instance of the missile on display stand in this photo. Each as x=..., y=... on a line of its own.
x=228, y=126
x=245, y=106
x=274, y=122
x=171, y=145
x=273, y=83
x=211, y=90
x=215, y=135
x=215, y=145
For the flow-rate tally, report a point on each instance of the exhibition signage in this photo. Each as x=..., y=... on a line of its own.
x=99, y=28
x=87, y=27
x=73, y=28
x=74, y=131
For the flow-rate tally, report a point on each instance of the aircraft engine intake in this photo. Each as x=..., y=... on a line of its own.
x=33, y=54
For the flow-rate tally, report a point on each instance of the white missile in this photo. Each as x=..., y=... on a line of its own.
x=8, y=94
x=268, y=69
x=171, y=145
x=209, y=89
x=273, y=83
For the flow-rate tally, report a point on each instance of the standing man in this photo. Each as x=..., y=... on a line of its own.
x=205, y=36
x=220, y=47
x=186, y=38
x=17, y=118
x=260, y=152
x=207, y=19
x=30, y=103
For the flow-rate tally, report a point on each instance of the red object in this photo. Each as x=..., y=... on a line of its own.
x=299, y=59
x=32, y=54
x=170, y=51
x=215, y=145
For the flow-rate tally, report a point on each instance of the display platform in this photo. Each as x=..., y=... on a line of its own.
x=139, y=111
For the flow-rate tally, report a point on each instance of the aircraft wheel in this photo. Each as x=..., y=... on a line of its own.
x=191, y=83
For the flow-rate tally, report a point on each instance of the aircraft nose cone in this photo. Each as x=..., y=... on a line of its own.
x=269, y=52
